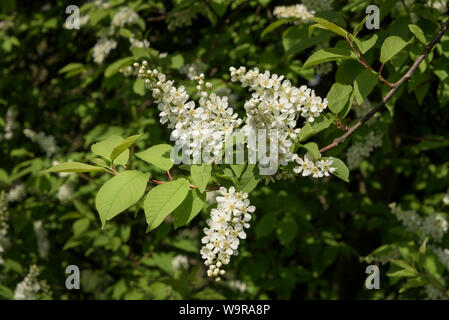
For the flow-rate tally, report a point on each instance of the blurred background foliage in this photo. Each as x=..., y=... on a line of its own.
x=61, y=90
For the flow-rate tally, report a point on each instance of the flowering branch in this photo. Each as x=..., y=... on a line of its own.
x=393, y=90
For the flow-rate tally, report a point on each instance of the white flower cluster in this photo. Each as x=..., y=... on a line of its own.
x=17, y=193
x=46, y=143
x=315, y=167
x=29, y=286
x=181, y=19
x=208, y=125
x=226, y=92
x=443, y=255
x=439, y=5
x=65, y=192
x=134, y=43
x=297, y=11
x=180, y=262
x=435, y=226
x=10, y=124
x=124, y=16
x=276, y=104
x=361, y=150
x=193, y=69
x=410, y=219
x=446, y=198
x=43, y=245
x=102, y=49
x=4, y=224
x=237, y=285
x=226, y=226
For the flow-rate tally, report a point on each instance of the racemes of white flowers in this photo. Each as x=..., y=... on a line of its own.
x=200, y=129
x=125, y=16
x=10, y=124
x=435, y=226
x=4, y=224
x=410, y=219
x=193, y=69
x=16, y=193
x=307, y=166
x=226, y=227
x=29, y=286
x=443, y=255
x=297, y=11
x=46, y=143
x=43, y=245
x=180, y=262
x=102, y=49
x=276, y=104
x=359, y=151
x=135, y=43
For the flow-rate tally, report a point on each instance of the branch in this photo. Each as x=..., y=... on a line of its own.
x=393, y=90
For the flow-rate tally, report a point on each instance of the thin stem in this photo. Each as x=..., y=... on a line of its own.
x=393, y=90
x=169, y=175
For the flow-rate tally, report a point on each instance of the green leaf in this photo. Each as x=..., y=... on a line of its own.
x=391, y=47
x=189, y=208
x=139, y=87
x=337, y=96
x=364, y=83
x=359, y=26
x=105, y=147
x=403, y=273
x=313, y=149
x=100, y=162
x=201, y=175
x=296, y=39
x=364, y=46
x=158, y=155
x=117, y=65
x=329, y=54
x=163, y=199
x=71, y=67
x=74, y=167
x=402, y=264
x=419, y=34
x=265, y=226
x=238, y=169
x=413, y=283
x=124, y=145
x=6, y=293
x=249, y=179
x=274, y=26
x=287, y=230
x=119, y=193
x=341, y=171
x=331, y=26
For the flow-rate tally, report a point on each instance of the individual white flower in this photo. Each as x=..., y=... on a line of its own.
x=226, y=227
x=435, y=226
x=17, y=193
x=43, y=245
x=446, y=199
x=180, y=262
x=410, y=219
x=29, y=286
x=125, y=16
x=65, y=192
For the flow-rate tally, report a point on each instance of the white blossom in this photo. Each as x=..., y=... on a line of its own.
x=29, y=286
x=125, y=16
x=46, y=143
x=446, y=199
x=102, y=49
x=139, y=43
x=226, y=227
x=180, y=262
x=435, y=226
x=237, y=285
x=4, y=224
x=316, y=168
x=443, y=256
x=43, y=245
x=10, y=124
x=193, y=70
x=297, y=11
x=65, y=192
x=410, y=219
x=360, y=150
x=16, y=193
x=432, y=292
